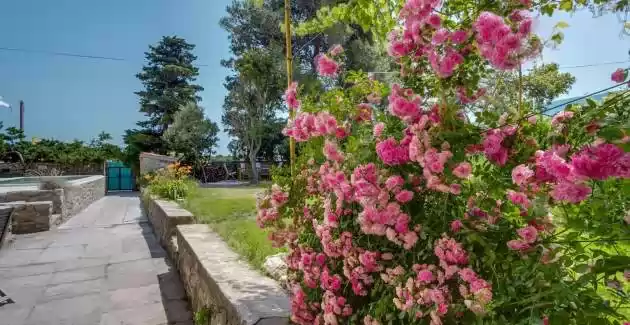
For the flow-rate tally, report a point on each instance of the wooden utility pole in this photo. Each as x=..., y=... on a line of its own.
x=289, y=55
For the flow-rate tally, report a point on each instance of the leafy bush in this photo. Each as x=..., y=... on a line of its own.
x=171, y=182
x=440, y=211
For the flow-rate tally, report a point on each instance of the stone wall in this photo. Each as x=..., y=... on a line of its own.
x=218, y=283
x=55, y=196
x=150, y=162
x=164, y=217
x=5, y=224
x=78, y=194
x=30, y=217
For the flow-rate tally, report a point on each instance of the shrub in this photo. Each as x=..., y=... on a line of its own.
x=426, y=213
x=171, y=182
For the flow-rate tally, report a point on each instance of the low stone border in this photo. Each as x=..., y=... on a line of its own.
x=217, y=281
x=164, y=217
x=80, y=193
x=220, y=286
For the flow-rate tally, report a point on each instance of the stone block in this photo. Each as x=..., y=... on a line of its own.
x=30, y=217
x=215, y=278
x=164, y=217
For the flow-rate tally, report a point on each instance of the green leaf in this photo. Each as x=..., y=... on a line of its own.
x=582, y=268
x=561, y=24
x=566, y=5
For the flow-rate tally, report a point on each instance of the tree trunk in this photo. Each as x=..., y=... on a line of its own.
x=252, y=161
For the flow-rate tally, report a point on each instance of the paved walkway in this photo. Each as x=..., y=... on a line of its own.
x=104, y=266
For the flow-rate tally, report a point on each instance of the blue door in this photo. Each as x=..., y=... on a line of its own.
x=119, y=177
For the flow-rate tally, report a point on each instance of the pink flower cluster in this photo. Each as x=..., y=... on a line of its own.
x=393, y=153
x=493, y=144
x=334, y=306
x=598, y=162
x=528, y=236
x=301, y=312
x=327, y=66
x=268, y=205
x=404, y=104
x=290, y=96
x=618, y=76
x=418, y=15
x=429, y=293
x=307, y=125
x=601, y=162
x=498, y=43
x=561, y=118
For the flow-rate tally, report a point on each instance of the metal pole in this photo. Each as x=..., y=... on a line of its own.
x=287, y=31
x=22, y=115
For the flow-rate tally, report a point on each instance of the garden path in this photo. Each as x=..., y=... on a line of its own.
x=104, y=266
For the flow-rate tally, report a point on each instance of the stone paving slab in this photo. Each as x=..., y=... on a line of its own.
x=103, y=266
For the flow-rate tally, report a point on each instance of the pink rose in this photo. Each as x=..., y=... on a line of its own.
x=528, y=234
x=378, y=129
x=463, y=170
x=456, y=225
x=404, y=196
x=618, y=76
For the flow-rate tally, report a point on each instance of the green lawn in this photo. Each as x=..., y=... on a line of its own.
x=231, y=212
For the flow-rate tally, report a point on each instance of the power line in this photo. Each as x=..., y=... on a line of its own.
x=618, y=98
x=109, y=58
x=73, y=55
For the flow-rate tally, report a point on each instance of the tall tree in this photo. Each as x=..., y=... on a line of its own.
x=254, y=97
x=539, y=87
x=192, y=135
x=168, y=78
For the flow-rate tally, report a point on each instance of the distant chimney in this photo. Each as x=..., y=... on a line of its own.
x=22, y=115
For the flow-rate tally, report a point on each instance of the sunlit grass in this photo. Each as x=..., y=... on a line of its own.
x=231, y=213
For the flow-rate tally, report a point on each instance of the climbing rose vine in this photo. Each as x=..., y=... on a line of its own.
x=409, y=210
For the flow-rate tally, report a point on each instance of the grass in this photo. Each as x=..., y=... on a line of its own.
x=231, y=213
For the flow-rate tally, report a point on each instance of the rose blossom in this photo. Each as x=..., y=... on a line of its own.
x=618, y=76
x=521, y=174
x=463, y=170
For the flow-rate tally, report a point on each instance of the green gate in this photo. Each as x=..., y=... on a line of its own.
x=119, y=177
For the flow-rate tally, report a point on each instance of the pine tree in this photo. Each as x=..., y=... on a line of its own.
x=168, y=78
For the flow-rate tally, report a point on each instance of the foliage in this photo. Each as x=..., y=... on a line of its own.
x=191, y=134
x=376, y=17
x=539, y=87
x=168, y=79
x=70, y=154
x=412, y=211
x=229, y=212
x=170, y=183
x=252, y=101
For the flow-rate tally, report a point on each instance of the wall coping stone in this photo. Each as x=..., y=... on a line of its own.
x=84, y=180
x=248, y=297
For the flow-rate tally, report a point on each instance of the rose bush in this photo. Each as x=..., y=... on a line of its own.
x=426, y=208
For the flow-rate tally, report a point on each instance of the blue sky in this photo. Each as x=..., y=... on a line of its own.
x=68, y=98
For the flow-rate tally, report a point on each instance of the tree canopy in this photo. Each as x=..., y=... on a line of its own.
x=168, y=77
x=192, y=135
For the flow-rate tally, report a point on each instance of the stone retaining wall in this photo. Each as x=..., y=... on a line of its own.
x=5, y=224
x=218, y=283
x=164, y=217
x=30, y=217
x=78, y=194
x=55, y=196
